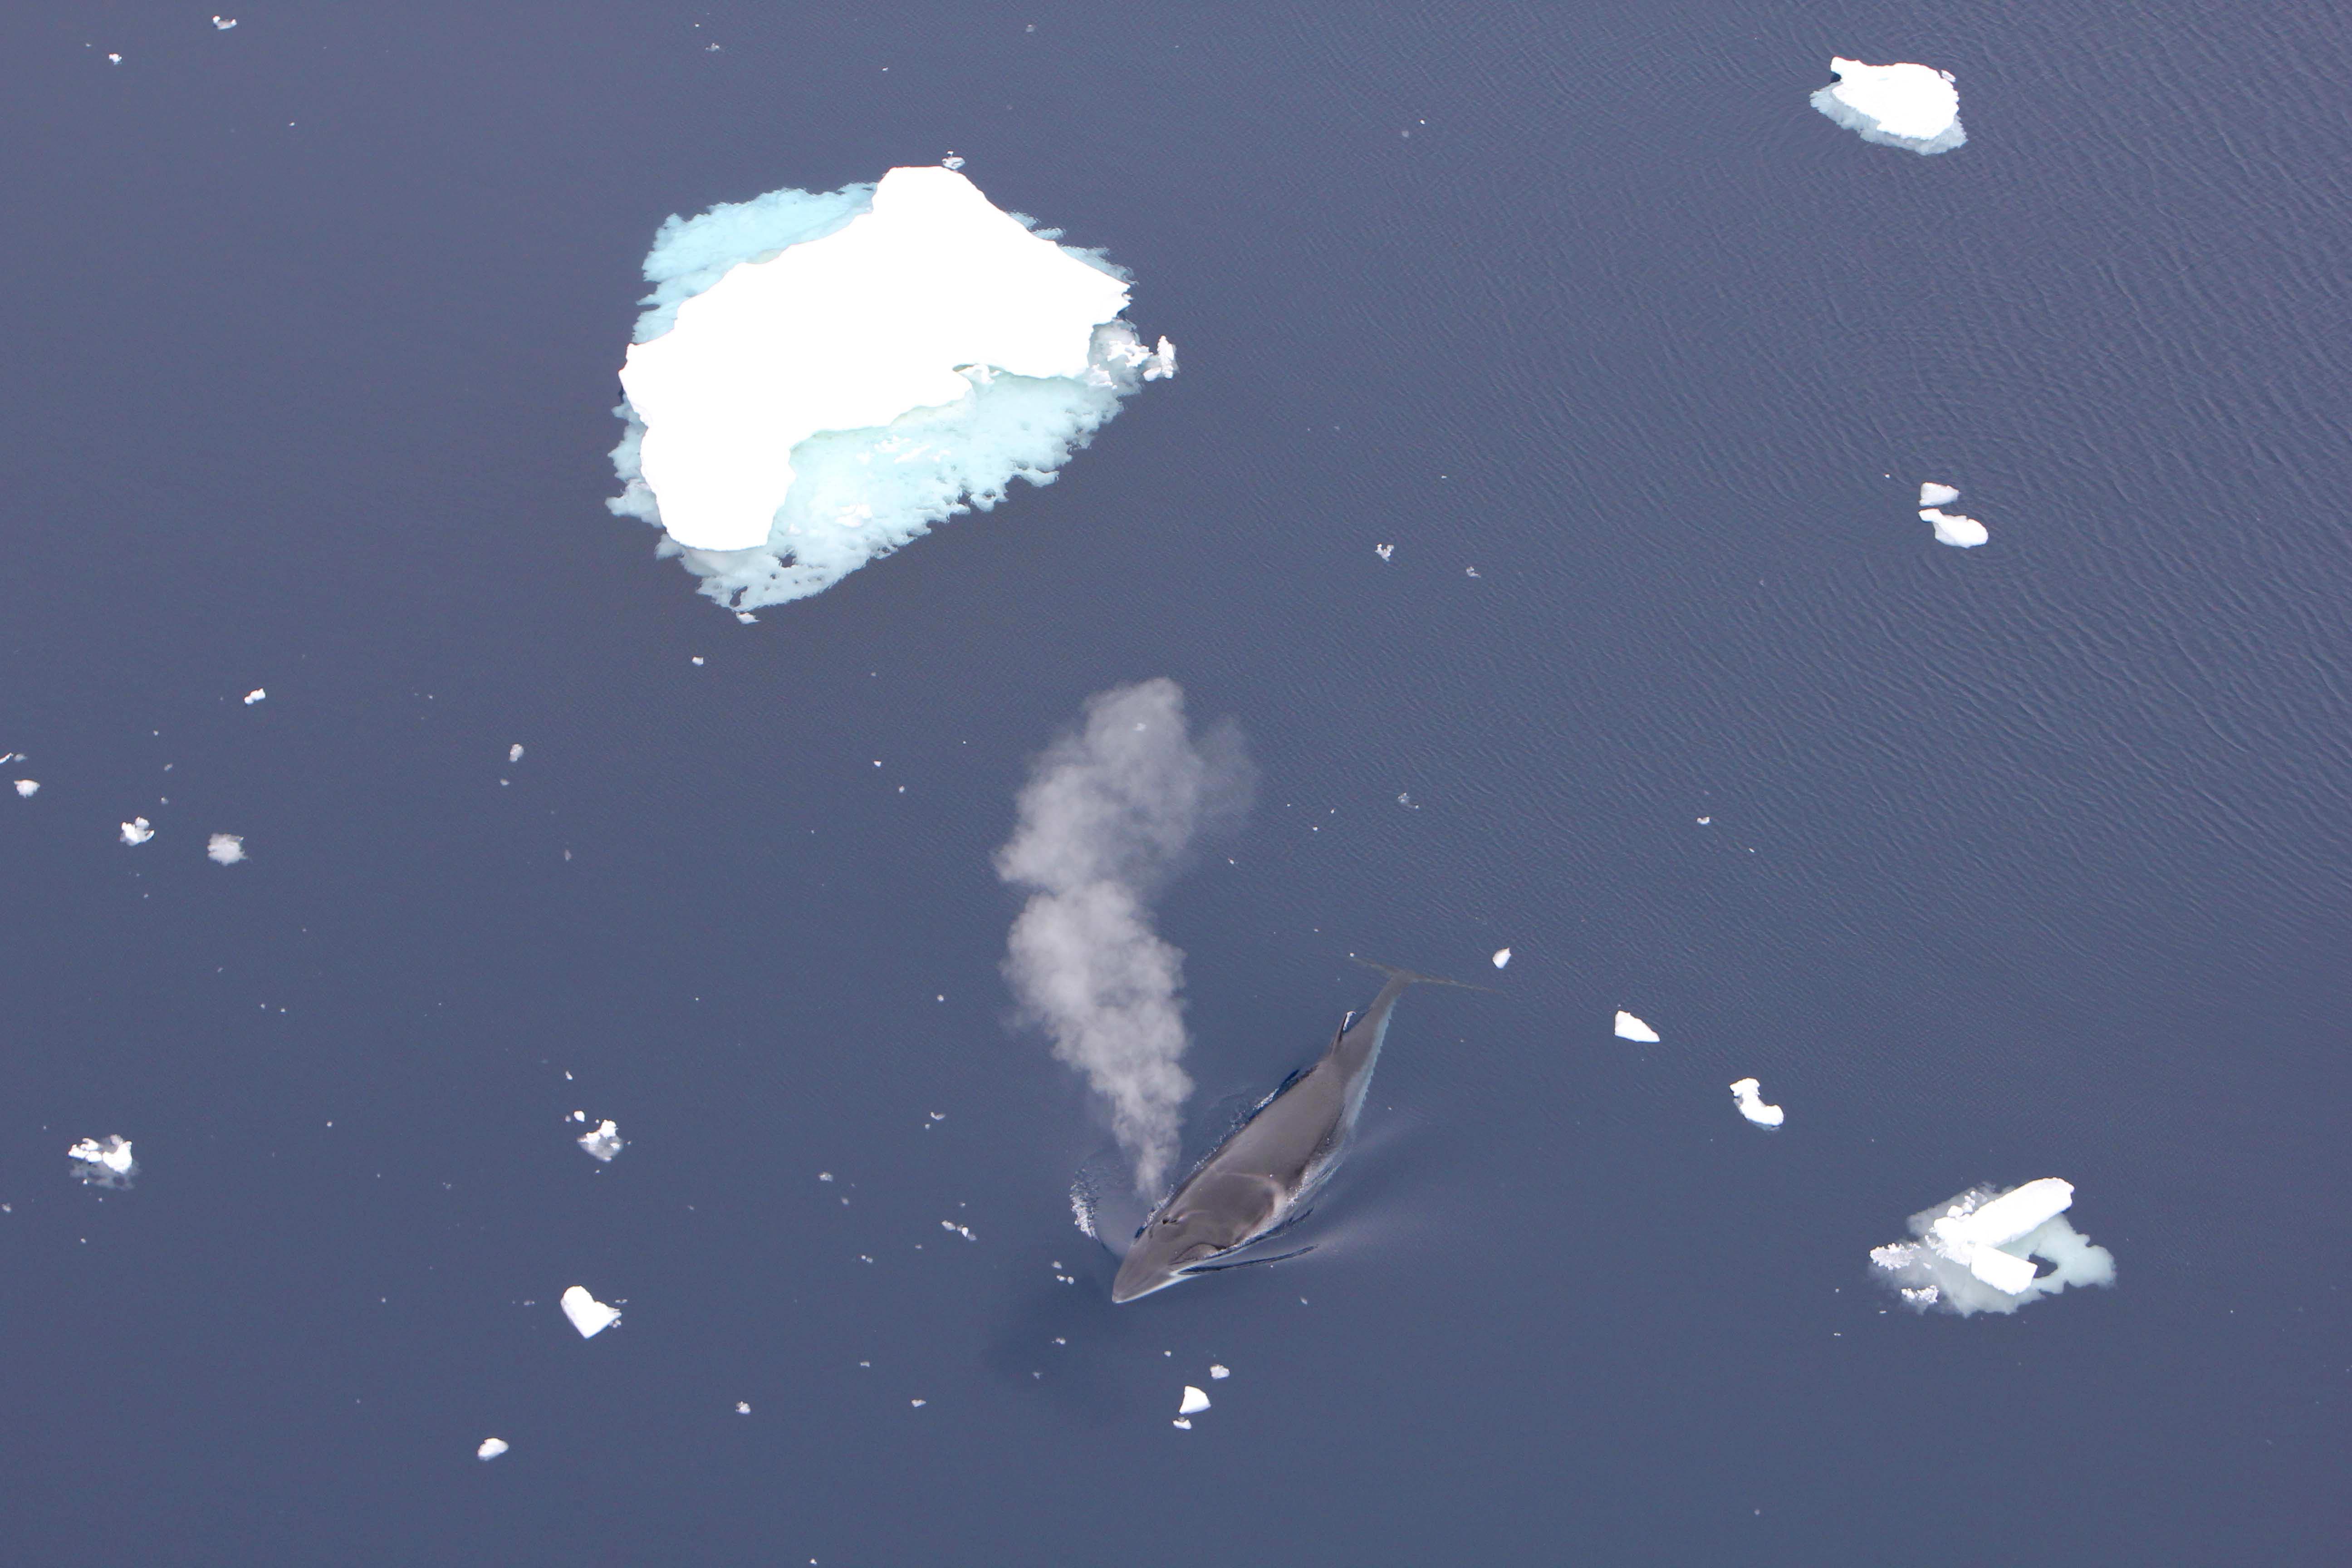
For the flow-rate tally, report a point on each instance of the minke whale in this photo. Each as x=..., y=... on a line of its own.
x=1262, y=1178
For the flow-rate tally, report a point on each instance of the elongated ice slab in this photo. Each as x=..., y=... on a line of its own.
x=589, y=1315
x=1629, y=1028
x=1910, y=106
x=820, y=378
x=491, y=1448
x=1932, y=494
x=1194, y=1402
x=1951, y=528
x=1749, y=1096
x=1972, y=1255
x=603, y=1143
x=103, y=1162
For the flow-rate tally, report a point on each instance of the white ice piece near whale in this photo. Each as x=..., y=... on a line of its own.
x=588, y=1315
x=1973, y=1254
x=1934, y=494
x=1629, y=1028
x=822, y=377
x=1749, y=1095
x=1913, y=107
x=103, y=1162
x=1951, y=528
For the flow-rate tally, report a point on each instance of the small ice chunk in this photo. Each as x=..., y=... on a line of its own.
x=603, y=1143
x=1181, y=1424
x=1384, y=550
x=1951, y=528
x=1194, y=1402
x=223, y=24
x=589, y=1315
x=1932, y=494
x=136, y=831
x=28, y=786
x=1220, y=1372
x=1752, y=1106
x=742, y=1407
x=1502, y=956
x=1909, y=106
x=1970, y=1255
x=1629, y=1028
x=103, y=1162
x=492, y=1447
x=226, y=848
x=514, y=752
x=253, y=696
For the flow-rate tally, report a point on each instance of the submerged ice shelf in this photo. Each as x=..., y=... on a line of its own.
x=1973, y=1254
x=1909, y=106
x=820, y=378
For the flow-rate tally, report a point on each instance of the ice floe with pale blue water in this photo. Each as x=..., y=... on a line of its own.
x=1974, y=1253
x=820, y=378
x=1914, y=107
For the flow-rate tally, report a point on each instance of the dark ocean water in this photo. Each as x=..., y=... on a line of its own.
x=2030, y=860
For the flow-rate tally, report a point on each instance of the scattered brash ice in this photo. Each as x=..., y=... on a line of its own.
x=253, y=696
x=1629, y=1028
x=1932, y=494
x=103, y=1162
x=1194, y=1402
x=28, y=786
x=1502, y=956
x=1909, y=106
x=1971, y=1254
x=491, y=1448
x=137, y=831
x=820, y=378
x=1748, y=1093
x=226, y=848
x=1951, y=528
x=603, y=1143
x=589, y=1315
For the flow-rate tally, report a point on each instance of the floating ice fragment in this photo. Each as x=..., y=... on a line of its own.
x=226, y=848
x=603, y=1143
x=253, y=696
x=822, y=378
x=1194, y=1402
x=1932, y=494
x=1629, y=1028
x=1910, y=106
x=951, y=162
x=1953, y=529
x=1748, y=1092
x=28, y=786
x=742, y=1407
x=136, y=831
x=1220, y=1372
x=589, y=1315
x=1971, y=1254
x=492, y=1447
x=103, y=1162
x=514, y=752
x=225, y=24
x=1502, y=956
x=1384, y=550
x=1181, y=1424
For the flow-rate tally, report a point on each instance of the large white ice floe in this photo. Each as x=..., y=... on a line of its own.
x=1749, y=1094
x=819, y=378
x=1972, y=1255
x=1629, y=1028
x=103, y=1162
x=1193, y=1402
x=1910, y=106
x=589, y=1315
x=1951, y=528
x=1934, y=494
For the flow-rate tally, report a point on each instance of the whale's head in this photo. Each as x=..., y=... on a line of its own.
x=1212, y=1214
